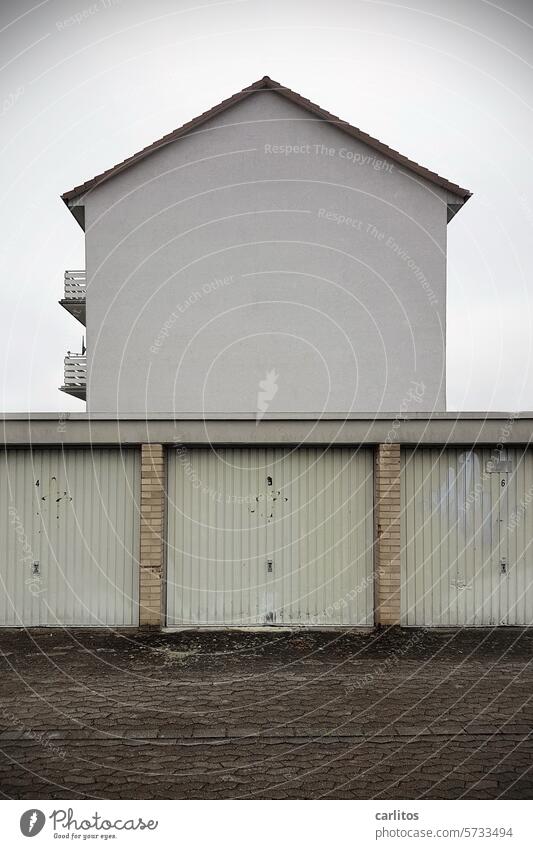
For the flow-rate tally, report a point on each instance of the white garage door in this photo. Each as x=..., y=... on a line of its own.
x=467, y=536
x=69, y=537
x=270, y=537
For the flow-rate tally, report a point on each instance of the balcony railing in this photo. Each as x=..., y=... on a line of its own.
x=75, y=285
x=75, y=375
x=75, y=291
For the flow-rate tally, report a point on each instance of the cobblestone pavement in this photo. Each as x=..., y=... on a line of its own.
x=400, y=714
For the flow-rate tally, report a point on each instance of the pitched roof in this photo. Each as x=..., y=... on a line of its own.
x=271, y=85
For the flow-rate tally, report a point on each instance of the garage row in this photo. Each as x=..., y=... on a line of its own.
x=266, y=536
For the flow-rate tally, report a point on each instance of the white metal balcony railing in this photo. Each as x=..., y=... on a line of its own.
x=75, y=285
x=75, y=371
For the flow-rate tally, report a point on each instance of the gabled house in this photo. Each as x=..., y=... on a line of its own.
x=266, y=257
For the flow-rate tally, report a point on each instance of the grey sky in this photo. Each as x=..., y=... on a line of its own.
x=449, y=84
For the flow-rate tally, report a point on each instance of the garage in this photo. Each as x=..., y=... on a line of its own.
x=466, y=536
x=69, y=536
x=267, y=536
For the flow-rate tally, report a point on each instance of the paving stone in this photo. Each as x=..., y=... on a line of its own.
x=248, y=715
x=215, y=732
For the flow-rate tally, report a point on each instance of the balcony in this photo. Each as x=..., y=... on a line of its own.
x=75, y=290
x=75, y=376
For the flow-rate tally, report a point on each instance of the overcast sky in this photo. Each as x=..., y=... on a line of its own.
x=449, y=83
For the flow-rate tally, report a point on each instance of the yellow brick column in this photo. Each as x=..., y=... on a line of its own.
x=152, y=534
x=387, y=559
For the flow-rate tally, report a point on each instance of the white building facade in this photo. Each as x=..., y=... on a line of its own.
x=266, y=240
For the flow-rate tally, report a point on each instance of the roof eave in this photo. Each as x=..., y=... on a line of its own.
x=77, y=210
x=453, y=208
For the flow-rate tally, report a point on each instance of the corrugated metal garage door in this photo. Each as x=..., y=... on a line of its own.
x=69, y=537
x=267, y=536
x=467, y=536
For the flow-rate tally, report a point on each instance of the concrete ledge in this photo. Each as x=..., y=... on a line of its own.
x=42, y=429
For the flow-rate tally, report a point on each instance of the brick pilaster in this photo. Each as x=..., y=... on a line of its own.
x=387, y=558
x=152, y=534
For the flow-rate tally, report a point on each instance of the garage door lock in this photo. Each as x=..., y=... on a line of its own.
x=269, y=565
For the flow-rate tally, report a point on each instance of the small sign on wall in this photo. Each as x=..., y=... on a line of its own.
x=493, y=466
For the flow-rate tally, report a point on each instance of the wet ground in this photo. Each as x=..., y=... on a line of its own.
x=397, y=714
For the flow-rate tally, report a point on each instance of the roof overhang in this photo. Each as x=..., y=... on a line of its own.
x=329, y=430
